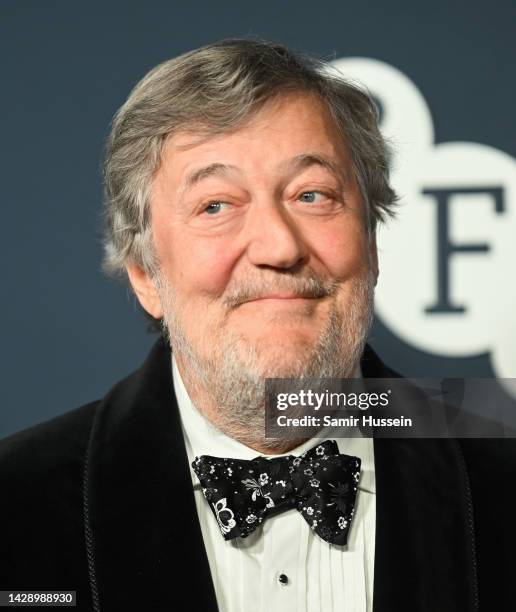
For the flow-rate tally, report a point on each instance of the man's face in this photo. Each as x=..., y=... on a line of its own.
x=262, y=243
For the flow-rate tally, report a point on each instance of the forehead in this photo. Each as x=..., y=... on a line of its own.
x=291, y=125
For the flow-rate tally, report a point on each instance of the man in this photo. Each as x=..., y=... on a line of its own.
x=244, y=185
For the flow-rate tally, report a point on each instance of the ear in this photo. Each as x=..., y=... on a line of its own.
x=145, y=290
x=373, y=254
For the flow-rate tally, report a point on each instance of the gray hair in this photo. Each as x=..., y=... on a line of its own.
x=216, y=89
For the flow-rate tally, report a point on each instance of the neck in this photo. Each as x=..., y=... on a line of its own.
x=199, y=393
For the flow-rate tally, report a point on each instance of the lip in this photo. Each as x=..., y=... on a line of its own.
x=284, y=297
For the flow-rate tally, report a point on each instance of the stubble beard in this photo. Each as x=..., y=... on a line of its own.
x=228, y=384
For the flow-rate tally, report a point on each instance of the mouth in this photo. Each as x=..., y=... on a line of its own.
x=282, y=297
x=282, y=302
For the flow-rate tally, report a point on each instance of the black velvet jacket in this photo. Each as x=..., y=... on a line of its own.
x=100, y=501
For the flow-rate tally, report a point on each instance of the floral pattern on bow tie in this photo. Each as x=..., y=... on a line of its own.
x=321, y=484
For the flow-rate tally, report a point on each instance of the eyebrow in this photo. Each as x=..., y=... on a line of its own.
x=292, y=166
x=305, y=160
x=196, y=176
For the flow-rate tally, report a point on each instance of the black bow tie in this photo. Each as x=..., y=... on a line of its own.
x=321, y=484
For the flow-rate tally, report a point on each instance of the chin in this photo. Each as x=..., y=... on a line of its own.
x=282, y=361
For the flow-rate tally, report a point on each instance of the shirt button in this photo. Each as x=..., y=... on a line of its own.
x=283, y=579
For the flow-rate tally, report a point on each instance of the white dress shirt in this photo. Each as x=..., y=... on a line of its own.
x=321, y=577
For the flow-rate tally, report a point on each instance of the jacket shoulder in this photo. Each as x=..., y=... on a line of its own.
x=41, y=515
x=47, y=444
x=490, y=462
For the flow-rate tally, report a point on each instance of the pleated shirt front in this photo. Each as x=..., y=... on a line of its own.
x=284, y=566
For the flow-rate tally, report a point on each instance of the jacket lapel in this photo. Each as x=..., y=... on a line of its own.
x=147, y=550
x=424, y=549
x=424, y=556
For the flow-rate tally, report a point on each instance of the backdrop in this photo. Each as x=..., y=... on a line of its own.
x=443, y=75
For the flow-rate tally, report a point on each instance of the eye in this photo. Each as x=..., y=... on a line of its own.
x=311, y=196
x=213, y=208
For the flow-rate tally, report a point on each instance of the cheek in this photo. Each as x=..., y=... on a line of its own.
x=342, y=248
x=195, y=267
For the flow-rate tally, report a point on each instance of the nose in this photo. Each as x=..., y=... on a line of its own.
x=274, y=239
